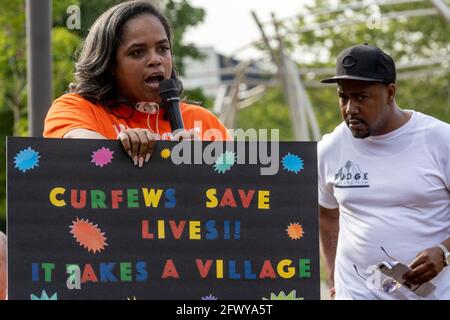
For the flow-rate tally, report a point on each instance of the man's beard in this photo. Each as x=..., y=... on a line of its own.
x=360, y=134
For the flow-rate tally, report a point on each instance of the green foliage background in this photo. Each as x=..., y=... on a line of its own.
x=406, y=40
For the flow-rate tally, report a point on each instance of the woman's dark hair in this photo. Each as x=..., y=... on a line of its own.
x=94, y=78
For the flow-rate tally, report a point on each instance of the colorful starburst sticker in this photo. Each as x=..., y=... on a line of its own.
x=225, y=161
x=27, y=159
x=102, y=157
x=165, y=153
x=295, y=231
x=210, y=297
x=292, y=163
x=282, y=296
x=88, y=235
x=44, y=296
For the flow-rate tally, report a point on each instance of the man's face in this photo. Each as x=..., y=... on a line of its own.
x=143, y=59
x=365, y=106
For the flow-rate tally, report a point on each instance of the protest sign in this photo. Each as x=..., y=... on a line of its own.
x=85, y=223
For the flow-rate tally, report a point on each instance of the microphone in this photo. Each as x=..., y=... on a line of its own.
x=168, y=91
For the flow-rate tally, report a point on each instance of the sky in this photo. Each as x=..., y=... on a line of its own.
x=229, y=25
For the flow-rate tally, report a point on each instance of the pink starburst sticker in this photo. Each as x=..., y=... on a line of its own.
x=102, y=157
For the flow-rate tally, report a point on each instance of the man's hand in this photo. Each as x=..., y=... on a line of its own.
x=332, y=293
x=2, y=266
x=427, y=265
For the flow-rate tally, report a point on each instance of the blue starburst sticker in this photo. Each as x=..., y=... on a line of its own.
x=293, y=163
x=225, y=161
x=27, y=159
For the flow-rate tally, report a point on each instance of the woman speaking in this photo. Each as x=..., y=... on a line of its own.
x=115, y=95
x=116, y=90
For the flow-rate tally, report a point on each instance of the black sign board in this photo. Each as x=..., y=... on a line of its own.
x=200, y=221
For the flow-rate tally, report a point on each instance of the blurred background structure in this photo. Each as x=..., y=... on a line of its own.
x=270, y=81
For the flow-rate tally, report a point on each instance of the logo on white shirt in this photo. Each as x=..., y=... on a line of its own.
x=351, y=176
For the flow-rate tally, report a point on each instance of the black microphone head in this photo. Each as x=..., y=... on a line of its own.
x=168, y=89
x=169, y=93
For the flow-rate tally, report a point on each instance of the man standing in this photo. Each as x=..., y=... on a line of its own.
x=384, y=185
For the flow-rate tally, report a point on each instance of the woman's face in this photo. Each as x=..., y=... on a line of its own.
x=143, y=59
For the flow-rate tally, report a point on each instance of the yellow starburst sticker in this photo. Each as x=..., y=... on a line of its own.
x=165, y=153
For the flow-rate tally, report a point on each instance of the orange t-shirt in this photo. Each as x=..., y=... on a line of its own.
x=72, y=111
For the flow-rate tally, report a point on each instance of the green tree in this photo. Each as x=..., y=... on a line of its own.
x=408, y=40
x=183, y=16
x=13, y=95
x=270, y=112
x=12, y=62
x=197, y=96
x=12, y=82
x=64, y=45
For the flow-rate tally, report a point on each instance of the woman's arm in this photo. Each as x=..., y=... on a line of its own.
x=83, y=134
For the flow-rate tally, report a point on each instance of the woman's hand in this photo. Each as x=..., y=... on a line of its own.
x=139, y=144
x=3, y=263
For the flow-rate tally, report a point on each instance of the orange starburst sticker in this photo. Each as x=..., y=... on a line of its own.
x=295, y=231
x=88, y=235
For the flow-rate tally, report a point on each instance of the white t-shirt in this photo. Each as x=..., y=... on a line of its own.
x=393, y=191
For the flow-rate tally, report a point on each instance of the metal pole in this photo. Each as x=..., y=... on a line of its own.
x=39, y=63
x=443, y=9
x=228, y=115
x=290, y=87
x=273, y=54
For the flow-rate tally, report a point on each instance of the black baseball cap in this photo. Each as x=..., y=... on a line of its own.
x=364, y=63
